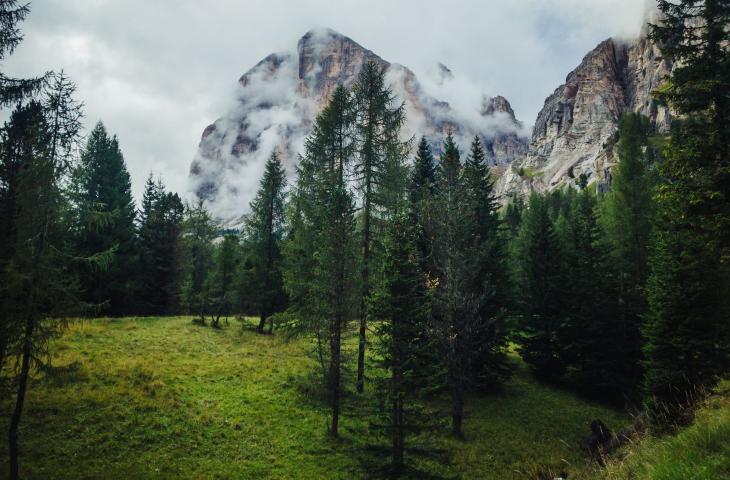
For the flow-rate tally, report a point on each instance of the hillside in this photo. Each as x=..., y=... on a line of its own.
x=699, y=452
x=164, y=398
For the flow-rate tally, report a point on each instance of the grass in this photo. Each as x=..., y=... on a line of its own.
x=699, y=452
x=165, y=398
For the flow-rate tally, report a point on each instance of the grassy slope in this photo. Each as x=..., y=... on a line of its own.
x=699, y=452
x=163, y=398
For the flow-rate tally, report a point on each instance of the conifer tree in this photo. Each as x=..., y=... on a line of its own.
x=687, y=332
x=264, y=232
x=222, y=289
x=37, y=282
x=540, y=283
x=14, y=90
x=320, y=280
x=489, y=283
x=198, y=233
x=589, y=334
x=455, y=311
x=420, y=194
x=106, y=222
x=378, y=121
x=159, y=236
x=626, y=217
x=399, y=298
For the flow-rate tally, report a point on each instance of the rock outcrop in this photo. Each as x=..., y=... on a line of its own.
x=574, y=133
x=280, y=97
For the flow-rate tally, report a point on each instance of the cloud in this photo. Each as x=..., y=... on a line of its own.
x=158, y=72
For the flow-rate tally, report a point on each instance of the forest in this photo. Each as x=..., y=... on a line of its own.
x=413, y=294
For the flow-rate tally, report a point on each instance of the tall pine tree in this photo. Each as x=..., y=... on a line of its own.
x=264, y=232
x=106, y=222
x=378, y=121
x=687, y=332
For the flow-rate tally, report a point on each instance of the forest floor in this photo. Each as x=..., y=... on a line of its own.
x=166, y=398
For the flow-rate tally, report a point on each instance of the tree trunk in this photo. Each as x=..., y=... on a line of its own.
x=20, y=399
x=398, y=424
x=262, y=323
x=365, y=291
x=457, y=403
x=335, y=375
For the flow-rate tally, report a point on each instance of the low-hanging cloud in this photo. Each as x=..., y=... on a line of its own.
x=158, y=72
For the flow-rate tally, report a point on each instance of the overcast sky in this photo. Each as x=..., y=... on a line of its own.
x=158, y=71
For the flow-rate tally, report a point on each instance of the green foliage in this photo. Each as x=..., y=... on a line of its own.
x=160, y=226
x=626, y=215
x=264, y=233
x=222, y=287
x=687, y=332
x=197, y=237
x=540, y=277
x=380, y=175
x=320, y=278
x=400, y=301
x=106, y=216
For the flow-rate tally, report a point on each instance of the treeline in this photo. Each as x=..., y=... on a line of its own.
x=623, y=296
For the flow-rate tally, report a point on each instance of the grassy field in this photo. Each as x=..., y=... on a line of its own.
x=699, y=452
x=165, y=398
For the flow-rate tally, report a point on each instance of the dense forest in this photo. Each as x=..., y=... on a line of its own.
x=622, y=296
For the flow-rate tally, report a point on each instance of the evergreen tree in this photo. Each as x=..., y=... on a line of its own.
x=399, y=298
x=222, y=289
x=420, y=195
x=378, y=120
x=626, y=217
x=455, y=311
x=14, y=90
x=320, y=278
x=198, y=233
x=687, y=332
x=37, y=284
x=589, y=334
x=541, y=281
x=159, y=236
x=489, y=283
x=264, y=232
x=106, y=222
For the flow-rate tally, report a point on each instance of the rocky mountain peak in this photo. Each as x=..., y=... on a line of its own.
x=281, y=95
x=574, y=132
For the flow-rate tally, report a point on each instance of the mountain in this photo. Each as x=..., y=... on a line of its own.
x=279, y=98
x=575, y=131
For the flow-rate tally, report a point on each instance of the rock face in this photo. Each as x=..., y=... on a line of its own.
x=280, y=97
x=575, y=131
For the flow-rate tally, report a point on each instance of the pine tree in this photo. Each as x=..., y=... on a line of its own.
x=626, y=217
x=399, y=298
x=540, y=283
x=687, y=332
x=14, y=90
x=489, y=281
x=264, y=232
x=106, y=222
x=37, y=283
x=159, y=236
x=198, y=233
x=589, y=334
x=222, y=289
x=320, y=278
x=378, y=122
x=455, y=308
x=420, y=194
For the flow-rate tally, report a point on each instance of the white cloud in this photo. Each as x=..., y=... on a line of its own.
x=158, y=72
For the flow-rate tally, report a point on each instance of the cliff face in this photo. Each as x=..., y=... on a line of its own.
x=574, y=131
x=280, y=97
